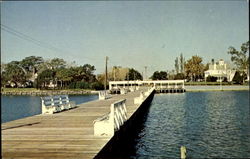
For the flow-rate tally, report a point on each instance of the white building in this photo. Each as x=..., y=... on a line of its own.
x=220, y=70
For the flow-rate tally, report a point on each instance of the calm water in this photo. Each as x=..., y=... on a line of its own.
x=17, y=107
x=209, y=124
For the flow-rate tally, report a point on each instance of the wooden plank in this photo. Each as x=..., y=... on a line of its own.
x=68, y=134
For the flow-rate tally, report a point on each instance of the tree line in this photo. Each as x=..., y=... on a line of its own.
x=34, y=71
x=56, y=73
x=193, y=69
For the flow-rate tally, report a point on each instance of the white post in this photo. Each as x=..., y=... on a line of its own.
x=220, y=82
x=110, y=86
x=112, y=119
x=183, y=152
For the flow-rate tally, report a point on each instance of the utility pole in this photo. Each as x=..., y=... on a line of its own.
x=145, y=72
x=114, y=72
x=106, y=72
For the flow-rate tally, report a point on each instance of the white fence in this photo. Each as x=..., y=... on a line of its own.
x=104, y=95
x=155, y=83
x=111, y=122
x=123, y=91
x=53, y=104
x=143, y=95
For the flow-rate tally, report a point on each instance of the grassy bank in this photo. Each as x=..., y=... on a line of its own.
x=34, y=91
x=210, y=90
x=213, y=84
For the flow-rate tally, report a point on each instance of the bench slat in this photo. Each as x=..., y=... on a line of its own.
x=51, y=104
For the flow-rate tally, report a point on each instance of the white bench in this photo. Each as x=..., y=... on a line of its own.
x=111, y=122
x=54, y=104
x=104, y=95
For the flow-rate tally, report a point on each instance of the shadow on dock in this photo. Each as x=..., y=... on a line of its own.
x=123, y=143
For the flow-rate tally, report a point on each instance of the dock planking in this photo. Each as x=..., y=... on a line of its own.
x=68, y=134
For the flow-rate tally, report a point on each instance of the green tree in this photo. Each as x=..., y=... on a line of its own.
x=89, y=73
x=64, y=75
x=176, y=65
x=97, y=85
x=162, y=75
x=179, y=76
x=238, y=77
x=211, y=79
x=31, y=63
x=45, y=77
x=133, y=75
x=15, y=73
x=240, y=58
x=182, y=61
x=56, y=63
x=194, y=68
x=84, y=73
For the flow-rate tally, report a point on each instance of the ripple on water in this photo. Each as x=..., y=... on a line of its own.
x=209, y=124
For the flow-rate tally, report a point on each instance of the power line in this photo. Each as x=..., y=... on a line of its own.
x=35, y=41
x=28, y=38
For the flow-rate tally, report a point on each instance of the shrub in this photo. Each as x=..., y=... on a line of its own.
x=211, y=79
x=238, y=79
x=97, y=86
x=179, y=76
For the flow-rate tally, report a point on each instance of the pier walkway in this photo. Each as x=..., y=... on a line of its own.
x=68, y=134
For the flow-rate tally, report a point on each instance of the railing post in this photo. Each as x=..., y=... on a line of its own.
x=112, y=118
x=183, y=152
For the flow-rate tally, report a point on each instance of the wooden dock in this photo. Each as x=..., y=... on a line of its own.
x=68, y=134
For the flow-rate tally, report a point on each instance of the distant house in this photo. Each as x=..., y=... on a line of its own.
x=220, y=69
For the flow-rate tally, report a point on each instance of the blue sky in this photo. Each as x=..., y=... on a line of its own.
x=131, y=33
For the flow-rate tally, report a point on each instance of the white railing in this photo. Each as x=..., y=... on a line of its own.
x=140, y=99
x=132, y=89
x=117, y=84
x=53, y=104
x=123, y=91
x=143, y=95
x=111, y=122
x=104, y=95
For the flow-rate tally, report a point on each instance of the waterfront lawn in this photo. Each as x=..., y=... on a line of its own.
x=211, y=83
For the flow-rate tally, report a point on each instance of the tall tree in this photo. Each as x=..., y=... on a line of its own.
x=194, y=68
x=45, y=77
x=176, y=65
x=133, y=75
x=64, y=75
x=240, y=58
x=162, y=75
x=115, y=73
x=181, y=64
x=56, y=63
x=31, y=63
x=15, y=73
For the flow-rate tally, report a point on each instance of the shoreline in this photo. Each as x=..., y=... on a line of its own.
x=216, y=88
x=188, y=88
x=49, y=92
